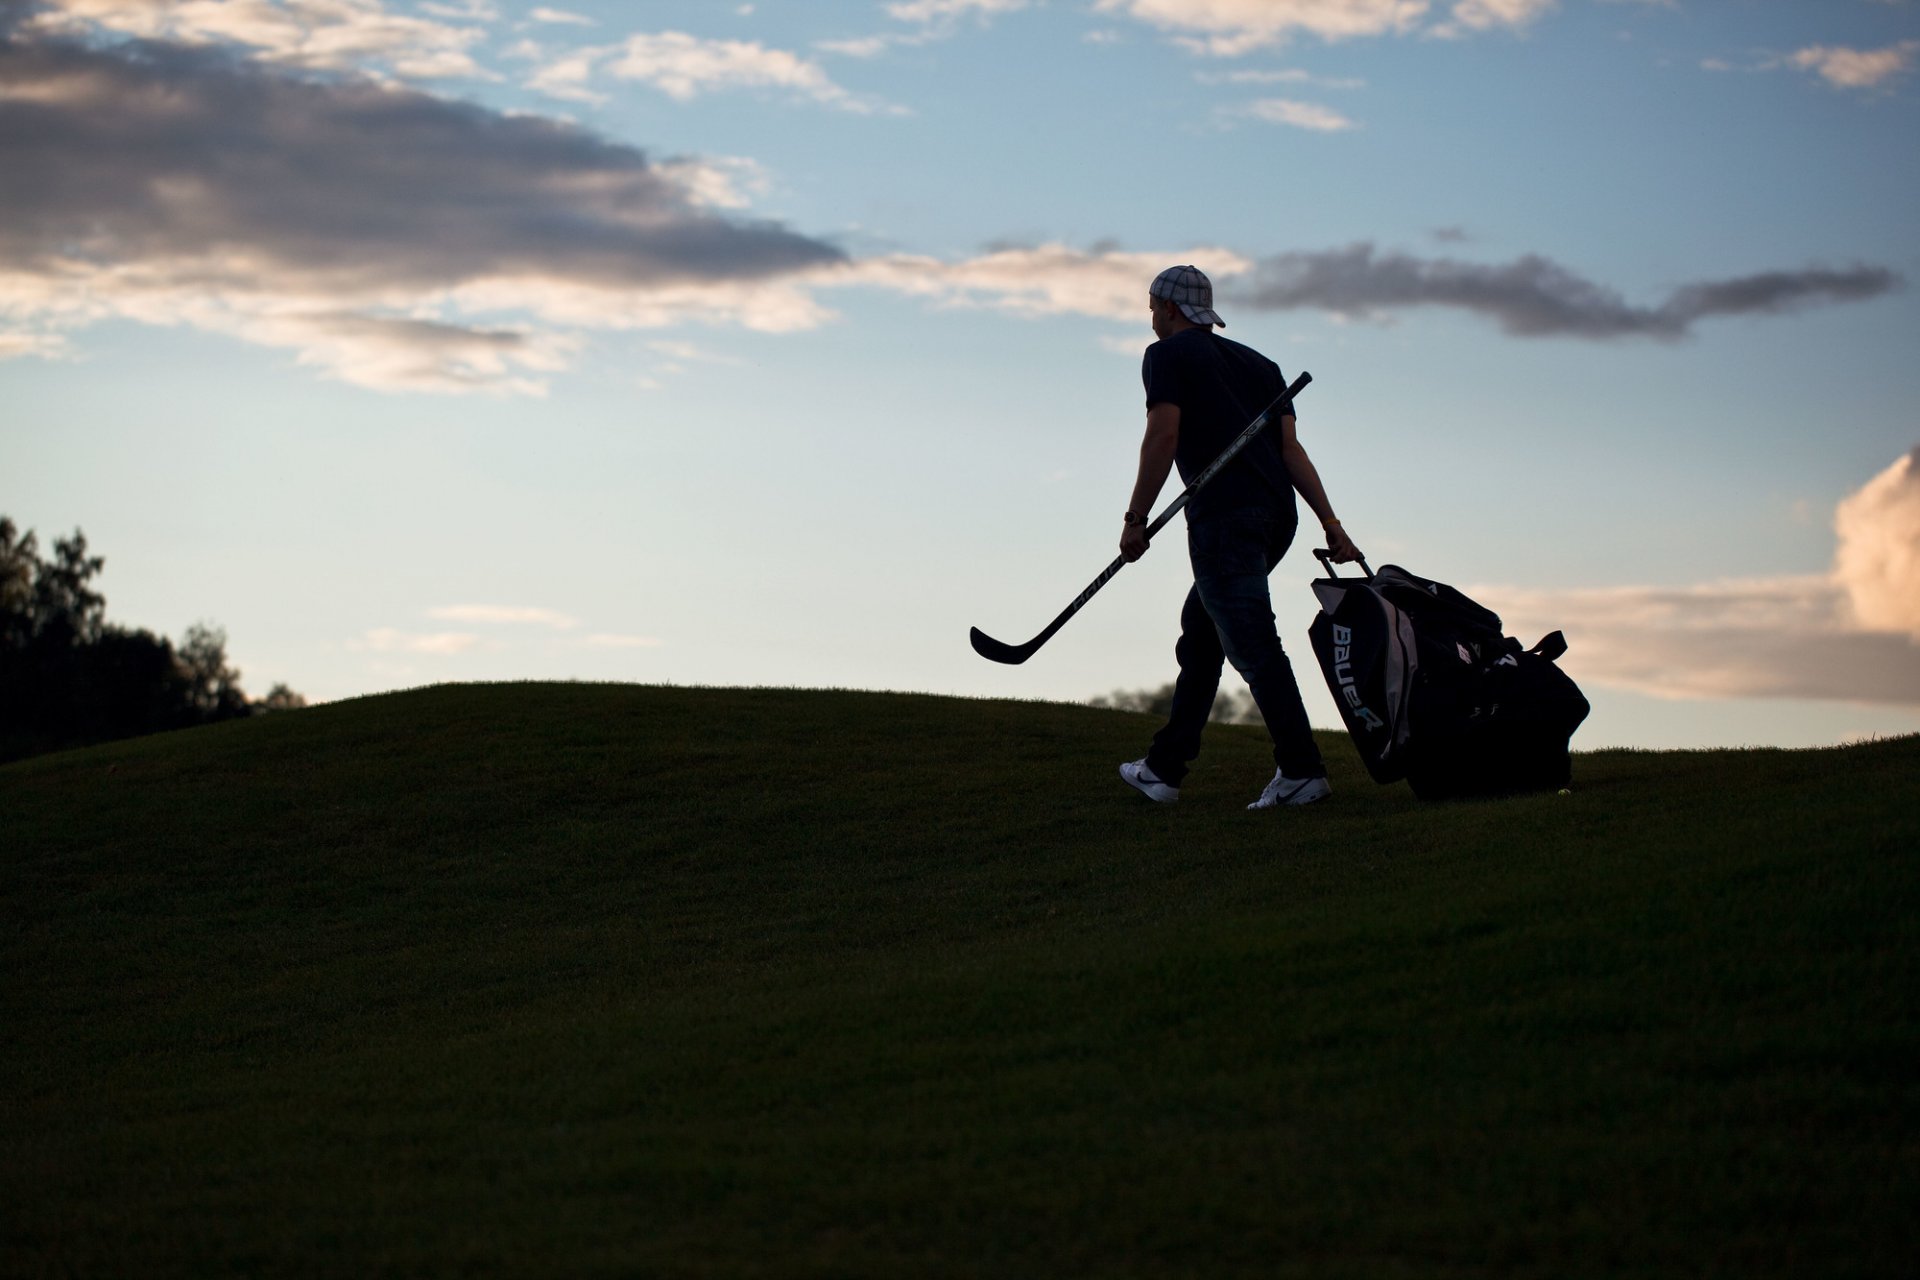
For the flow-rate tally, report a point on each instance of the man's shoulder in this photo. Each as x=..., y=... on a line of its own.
x=1186, y=345
x=1241, y=350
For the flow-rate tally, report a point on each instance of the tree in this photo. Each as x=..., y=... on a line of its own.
x=19, y=558
x=69, y=678
x=213, y=688
x=280, y=698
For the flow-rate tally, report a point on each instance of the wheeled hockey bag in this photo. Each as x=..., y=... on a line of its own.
x=1434, y=691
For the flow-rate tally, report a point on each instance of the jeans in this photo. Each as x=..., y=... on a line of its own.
x=1228, y=617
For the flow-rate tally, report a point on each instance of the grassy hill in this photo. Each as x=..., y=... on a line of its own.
x=605, y=980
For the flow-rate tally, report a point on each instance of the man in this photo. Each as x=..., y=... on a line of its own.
x=1202, y=391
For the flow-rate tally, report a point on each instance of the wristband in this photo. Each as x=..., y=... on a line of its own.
x=1133, y=518
x=1328, y=524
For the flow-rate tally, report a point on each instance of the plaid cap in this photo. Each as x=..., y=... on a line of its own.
x=1189, y=289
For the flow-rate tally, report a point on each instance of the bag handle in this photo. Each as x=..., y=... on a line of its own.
x=1325, y=557
x=1551, y=646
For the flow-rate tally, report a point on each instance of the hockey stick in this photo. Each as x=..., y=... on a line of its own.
x=997, y=651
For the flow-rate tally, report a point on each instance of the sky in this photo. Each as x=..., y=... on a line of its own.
x=780, y=343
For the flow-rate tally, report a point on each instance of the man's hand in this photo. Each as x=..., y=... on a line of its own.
x=1344, y=552
x=1133, y=542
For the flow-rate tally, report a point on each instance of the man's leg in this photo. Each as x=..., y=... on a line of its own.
x=1232, y=558
x=1201, y=657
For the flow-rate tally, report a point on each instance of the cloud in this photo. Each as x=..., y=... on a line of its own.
x=1469, y=16
x=566, y=76
x=1041, y=280
x=330, y=35
x=1878, y=559
x=950, y=10
x=859, y=46
x=1852, y=634
x=718, y=182
x=1284, y=75
x=1298, y=115
x=17, y=343
x=1531, y=296
x=391, y=238
x=473, y=10
x=1229, y=28
x=388, y=640
x=684, y=66
x=1761, y=638
x=560, y=17
x=1857, y=68
x=935, y=20
x=402, y=241
x=504, y=614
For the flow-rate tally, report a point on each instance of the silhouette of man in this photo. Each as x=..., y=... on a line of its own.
x=1202, y=391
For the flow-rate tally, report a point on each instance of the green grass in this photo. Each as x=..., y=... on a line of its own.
x=604, y=980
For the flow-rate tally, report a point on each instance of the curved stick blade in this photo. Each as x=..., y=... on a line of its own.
x=994, y=651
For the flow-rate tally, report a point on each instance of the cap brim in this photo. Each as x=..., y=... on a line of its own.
x=1201, y=315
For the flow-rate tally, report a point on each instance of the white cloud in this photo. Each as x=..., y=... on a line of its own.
x=402, y=241
x=504, y=614
x=1849, y=635
x=718, y=182
x=1878, y=559
x=561, y=17
x=683, y=66
x=1857, y=68
x=1469, y=16
x=464, y=10
x=859, y=46
x=1762, y=638
x=949, y=10
x=567, y=76
x=333, y=35
x=1299, y=115
x=389, y=640
x=935, y=20
x=1285, y=75
x=18, y=343
x=690, y=352
x=1048, y=279
x=1229, y=28
x=390, y=238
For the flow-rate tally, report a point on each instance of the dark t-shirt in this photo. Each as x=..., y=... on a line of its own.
x=1220, y=385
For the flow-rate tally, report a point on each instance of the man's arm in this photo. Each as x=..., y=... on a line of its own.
x=1157, y=448
x=1307, y=480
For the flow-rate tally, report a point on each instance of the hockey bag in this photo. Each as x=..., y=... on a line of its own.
x=1432, y=689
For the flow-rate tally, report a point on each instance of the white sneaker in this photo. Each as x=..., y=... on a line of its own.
x=1136, y=774
x=1285, y=790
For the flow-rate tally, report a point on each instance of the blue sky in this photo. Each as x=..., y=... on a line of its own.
x=778, y=343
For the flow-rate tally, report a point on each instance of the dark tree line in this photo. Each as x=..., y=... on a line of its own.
x=68, y=677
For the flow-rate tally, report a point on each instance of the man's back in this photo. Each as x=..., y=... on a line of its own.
x=1220, y=385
